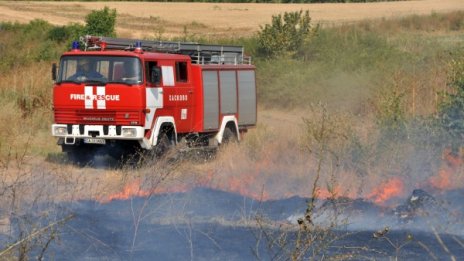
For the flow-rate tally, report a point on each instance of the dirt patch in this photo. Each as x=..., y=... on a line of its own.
x=213, y=19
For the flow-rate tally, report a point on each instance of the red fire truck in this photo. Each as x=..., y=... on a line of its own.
x=148, y=95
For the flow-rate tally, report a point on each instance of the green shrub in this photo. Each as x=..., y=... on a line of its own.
x=451, y=111
x=391, y=109
x=350, y=48
x=8, y=26
x=46, y=51
x=286, y=34
x=35, y=29
x=65, y=35
x=101, y=22
x=23, y=44
x=58, y=34
x=391, y=114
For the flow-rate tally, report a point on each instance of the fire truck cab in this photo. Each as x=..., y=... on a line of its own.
x=151, y=94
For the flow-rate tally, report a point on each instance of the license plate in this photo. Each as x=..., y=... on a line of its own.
x=94, y=141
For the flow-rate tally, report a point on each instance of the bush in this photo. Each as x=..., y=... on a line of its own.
x=101, y=22
x=35, y=25
x=66, y=34
x=8, y=26
x=391, y=114
x=286, y=34
x=46, y=51
x=23, y=44
x=58, y=34
x=451, y=111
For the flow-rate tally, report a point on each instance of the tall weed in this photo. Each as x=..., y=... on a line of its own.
x=349, y=67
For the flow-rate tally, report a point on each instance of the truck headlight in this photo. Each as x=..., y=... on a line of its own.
x=60, y=131
x=129, y=132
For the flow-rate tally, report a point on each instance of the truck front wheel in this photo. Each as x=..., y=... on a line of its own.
x=79, y=155
x=163, y=146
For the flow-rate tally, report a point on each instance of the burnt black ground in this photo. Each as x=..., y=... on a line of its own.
x=206, y=224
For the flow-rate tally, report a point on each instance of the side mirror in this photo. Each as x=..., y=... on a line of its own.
x=156, y=75
x=54, y=69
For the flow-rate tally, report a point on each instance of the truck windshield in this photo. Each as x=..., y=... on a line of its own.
x=100, y=69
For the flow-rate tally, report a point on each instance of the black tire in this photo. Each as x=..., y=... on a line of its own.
x=163, y=146
x=229, y=136
x=80, y=156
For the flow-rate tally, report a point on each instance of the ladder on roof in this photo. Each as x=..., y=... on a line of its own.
x=199, y=53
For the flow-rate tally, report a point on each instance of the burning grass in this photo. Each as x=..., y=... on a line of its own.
x=275, y=162
x=268, y=164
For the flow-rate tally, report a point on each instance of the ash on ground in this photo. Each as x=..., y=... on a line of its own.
x=207, y=224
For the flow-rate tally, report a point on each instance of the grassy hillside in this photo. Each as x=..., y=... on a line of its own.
x=365, y=68
x=25, y=87
x=350, y=66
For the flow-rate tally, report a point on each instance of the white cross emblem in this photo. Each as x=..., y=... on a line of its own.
x=99, y=97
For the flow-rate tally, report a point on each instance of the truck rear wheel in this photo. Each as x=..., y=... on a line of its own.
x=229, y=136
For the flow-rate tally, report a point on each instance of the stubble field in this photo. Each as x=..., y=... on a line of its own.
x=173, y=19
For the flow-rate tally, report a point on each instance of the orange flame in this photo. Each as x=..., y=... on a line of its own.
x=324, y=193
x=134, y=189
x=131, y=189
x=244, y=184
x=250, y=182
x=394, y=187
x=442, y=181
x=446, y=177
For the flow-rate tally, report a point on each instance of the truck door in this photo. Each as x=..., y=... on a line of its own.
x=154, y=92
x=183, y=96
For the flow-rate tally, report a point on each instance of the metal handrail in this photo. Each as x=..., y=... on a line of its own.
x=199, y=53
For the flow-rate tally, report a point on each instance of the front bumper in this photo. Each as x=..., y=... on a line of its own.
x=77, y=131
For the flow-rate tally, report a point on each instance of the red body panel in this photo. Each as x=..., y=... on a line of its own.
x=179, y=99
x=127, y=105
x=124, y=105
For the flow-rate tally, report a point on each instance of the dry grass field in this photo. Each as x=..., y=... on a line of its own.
x=212, y=19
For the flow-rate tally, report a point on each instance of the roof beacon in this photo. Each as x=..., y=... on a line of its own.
x=75, y=46
x=138, y=47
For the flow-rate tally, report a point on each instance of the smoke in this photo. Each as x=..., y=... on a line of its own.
x=365, y=180
x=157, y=209
x=361, y=160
